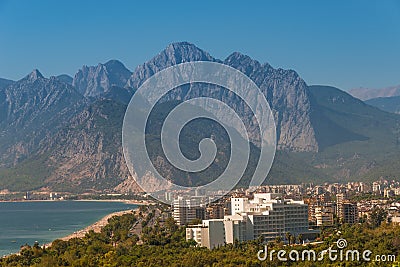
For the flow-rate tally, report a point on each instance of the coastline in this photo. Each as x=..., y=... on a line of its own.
x=127, y=201
x=96, y=227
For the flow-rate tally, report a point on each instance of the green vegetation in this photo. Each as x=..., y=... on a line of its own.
x=372, y=150
x=164, y=244
x=358, y=143
x=103, y=122
x=29, y=175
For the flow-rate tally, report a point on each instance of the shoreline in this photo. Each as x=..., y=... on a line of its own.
x=96, y=226
x=127, y=201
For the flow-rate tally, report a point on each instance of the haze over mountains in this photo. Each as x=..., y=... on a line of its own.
x=370, y=93
x=387, y=99
x=66, y=134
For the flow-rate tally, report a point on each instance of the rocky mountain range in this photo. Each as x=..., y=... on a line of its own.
x=5, y=82
x=370, y=93
x=65, y=133
x=285, y=91
x=32, y=108
x=93, y=81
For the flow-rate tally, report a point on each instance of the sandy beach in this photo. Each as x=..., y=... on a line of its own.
x=96, y=227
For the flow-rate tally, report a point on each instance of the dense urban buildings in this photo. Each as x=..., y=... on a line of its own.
x=276, y=211
x=324, y=216
x=270, y=215
x=187, y=209
x=267, y=215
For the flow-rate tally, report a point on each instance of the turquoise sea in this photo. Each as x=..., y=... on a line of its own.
x=45, y=221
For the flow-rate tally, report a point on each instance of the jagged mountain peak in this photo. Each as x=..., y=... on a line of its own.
x=173, y=54
x=34, y=75
x=176, y=46
x=180, y=52
x=246, y=64
x=181, y=44
x=31, y=108
x=93, y=81
x=239, y=56
x=80, y=138
x=286, y=92
x=242, y=62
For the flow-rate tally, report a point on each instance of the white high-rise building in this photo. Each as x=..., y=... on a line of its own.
x=324, y=216
x=186, y=209
x=238, y=204
x=270, y=216
x=376, y=188
x=217, y=232
x=210, y=234
x=266, y=215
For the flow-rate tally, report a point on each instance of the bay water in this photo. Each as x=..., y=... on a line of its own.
x=44, y=221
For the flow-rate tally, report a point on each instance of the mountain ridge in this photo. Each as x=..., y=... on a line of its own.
x=92, y=81
x=72, y=136
x=32, y=107
x=370, y=93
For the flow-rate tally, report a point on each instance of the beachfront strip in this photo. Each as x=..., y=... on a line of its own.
x=287, y=213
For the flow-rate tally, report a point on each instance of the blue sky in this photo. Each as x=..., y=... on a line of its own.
x=342, y=43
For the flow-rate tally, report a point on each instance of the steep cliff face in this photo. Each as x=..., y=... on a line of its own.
x=93, y=81
x=285, y=91
x=68, y=137
x=289, y=99
x=32, y=108
x=87, y=153
x=175, y=53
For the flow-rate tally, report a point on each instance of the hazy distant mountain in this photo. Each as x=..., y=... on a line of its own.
x=68, y=137
x=389, y=104
x=367, y=93
x=375, y=134
x=95, y=80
